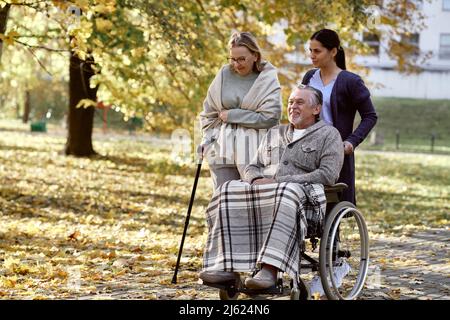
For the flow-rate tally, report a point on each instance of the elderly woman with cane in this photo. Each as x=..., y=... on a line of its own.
x=260, y=223
x=243, y=101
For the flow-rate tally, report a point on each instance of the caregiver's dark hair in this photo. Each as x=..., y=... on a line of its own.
x=330, y=39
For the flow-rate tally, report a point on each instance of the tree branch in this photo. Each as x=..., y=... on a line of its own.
x=177, y=86
x=39, y=61
x=41, y=47
x=32, y=5
x=222, y=37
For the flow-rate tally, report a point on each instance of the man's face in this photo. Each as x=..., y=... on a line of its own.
x=300, y=111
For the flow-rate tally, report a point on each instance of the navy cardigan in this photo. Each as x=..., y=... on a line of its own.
x=349, y=95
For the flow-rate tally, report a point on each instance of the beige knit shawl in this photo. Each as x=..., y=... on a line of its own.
x=232, y=140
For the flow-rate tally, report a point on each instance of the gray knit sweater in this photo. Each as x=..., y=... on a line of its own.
x=316, y=157
x=234, y=89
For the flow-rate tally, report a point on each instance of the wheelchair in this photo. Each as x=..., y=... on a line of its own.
x=344, y=240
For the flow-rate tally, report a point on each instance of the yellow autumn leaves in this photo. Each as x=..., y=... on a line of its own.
x=100, y=6
x=88, y=227
x=103, y=25
x=9, y=37
x=82, y=227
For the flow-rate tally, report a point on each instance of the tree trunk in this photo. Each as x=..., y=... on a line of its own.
x=17, y=110
x=80, y=120
x=3, y=20
x=27, y=108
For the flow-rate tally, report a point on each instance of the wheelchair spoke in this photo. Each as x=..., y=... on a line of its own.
x=347, y=251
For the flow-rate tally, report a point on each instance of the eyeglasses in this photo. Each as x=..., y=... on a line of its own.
x=239, y=60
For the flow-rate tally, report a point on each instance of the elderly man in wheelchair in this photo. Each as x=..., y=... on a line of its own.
x=259, y=225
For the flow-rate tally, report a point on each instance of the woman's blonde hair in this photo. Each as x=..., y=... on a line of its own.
x=246, y=39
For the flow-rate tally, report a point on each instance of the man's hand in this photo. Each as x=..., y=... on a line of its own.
x=264, y=181
x=348, y=148
x=223, y=115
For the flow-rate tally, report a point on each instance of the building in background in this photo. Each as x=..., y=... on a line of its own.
x=434, y=40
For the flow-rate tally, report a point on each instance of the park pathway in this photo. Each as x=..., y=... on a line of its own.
x=411, y=267
x=402, y=268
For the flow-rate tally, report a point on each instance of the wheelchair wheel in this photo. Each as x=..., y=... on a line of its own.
x=344, y=246
x=228, y=294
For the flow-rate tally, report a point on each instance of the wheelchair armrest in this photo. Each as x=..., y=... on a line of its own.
x=338, y=187
x=331, y=192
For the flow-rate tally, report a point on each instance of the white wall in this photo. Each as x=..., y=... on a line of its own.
x=425, y=85
x=433, y=83
x=438, y=21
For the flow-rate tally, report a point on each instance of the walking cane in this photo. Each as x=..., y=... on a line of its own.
x=186, y=223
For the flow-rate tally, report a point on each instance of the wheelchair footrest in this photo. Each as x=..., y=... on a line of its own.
x=312, y=266
x=272, y=290
x=239, y=287
x=225, y=285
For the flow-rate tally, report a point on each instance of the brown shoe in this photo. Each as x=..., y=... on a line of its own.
x=218, y=276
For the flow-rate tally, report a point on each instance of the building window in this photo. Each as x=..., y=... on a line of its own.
x=446, y=5
x=418, y=4
x=444, y=47
x=412, y=40
x=373, y=41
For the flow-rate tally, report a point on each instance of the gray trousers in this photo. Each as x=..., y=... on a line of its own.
x=221, y=173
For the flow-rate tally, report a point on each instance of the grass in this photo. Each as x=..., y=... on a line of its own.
x=416, y=121
x=403, y=191
x=74, y=228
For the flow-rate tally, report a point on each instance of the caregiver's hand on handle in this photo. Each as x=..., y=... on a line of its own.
x=348, y=148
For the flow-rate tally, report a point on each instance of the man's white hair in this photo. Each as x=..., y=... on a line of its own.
x=316, y=98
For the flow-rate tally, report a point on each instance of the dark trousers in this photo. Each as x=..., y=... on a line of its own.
x=347, y=176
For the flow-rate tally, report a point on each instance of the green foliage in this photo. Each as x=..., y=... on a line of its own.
x=416, y=121
x=414, y=117
x=156, y=59
x=399, y=191
x=26, y=66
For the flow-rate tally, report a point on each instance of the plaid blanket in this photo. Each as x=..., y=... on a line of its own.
x=253, y=224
